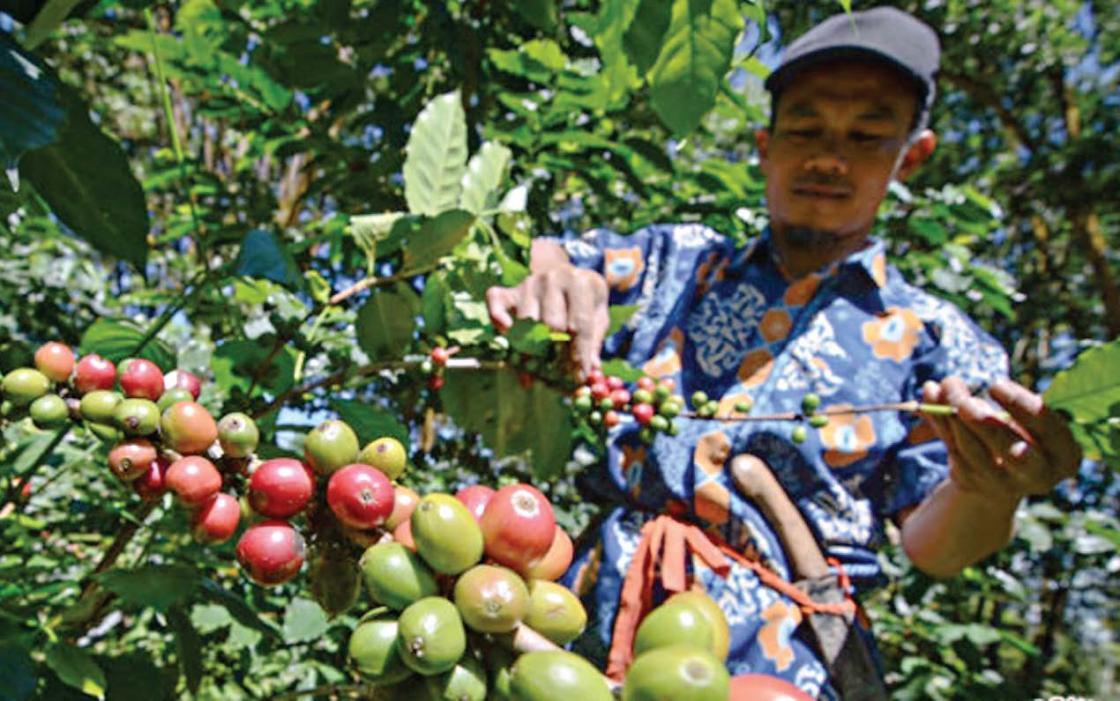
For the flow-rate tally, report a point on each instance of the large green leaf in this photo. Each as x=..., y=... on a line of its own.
x=437, y=156
x=372, y=231
x=539, y=13
x=157, y=586
x=86, y=179
x=370, y=422
x=1089, y=392
x=436, y=238
x=263, y=255
x=385, y=322
x=30, y=113
x=484, y=176
x=237, y=363
x=188, y=646
x=117, y=339
x=643, y=38
x=237, y=608
x=511, y=418
x=304, y=620
x=74, y=666
x=694, y=60
x=17, y=670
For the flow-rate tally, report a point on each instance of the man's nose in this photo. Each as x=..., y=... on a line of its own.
x=828, y=158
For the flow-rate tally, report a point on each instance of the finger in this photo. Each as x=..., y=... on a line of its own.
x=592, y=322
x=499, y=302
x=933, y=394
x=1030, y=411
x=975, y=458
x=528, y=302
x=554, y=307
x=996, y=434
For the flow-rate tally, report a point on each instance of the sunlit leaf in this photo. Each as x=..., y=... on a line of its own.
x=437, y=156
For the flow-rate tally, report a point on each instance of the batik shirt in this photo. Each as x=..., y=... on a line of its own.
x=725, y=320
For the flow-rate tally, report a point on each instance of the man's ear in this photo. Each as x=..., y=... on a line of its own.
x=762, y=140
x=917, y=153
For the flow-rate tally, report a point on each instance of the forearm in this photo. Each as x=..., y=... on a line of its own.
x=953, y=529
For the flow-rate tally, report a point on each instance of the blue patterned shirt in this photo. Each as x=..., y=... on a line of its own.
x=727, y=321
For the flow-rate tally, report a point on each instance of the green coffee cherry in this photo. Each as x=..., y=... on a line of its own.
x=810, y=402
x=659, y=423
x=24, y=385
x=744, y=407
x=699, y=399
x=818, y=420
x=669, y=408
x=595, y=418
x=606, y=404
x=49, y=411
x=642, y=396
x=798, y=434
x=662, y=392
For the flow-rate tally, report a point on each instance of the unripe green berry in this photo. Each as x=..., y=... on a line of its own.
x=818, y=420
x=744, y=407
x=672, y=430
x=49, y=411
x=582, y=403
x=646, y=434
x=669, y=408
x=662, y=392
x=642, y=396
x=659, y=423
x=595, y=418
x=606, y=404
x=699, y=399
x=798, y=434
x=810, y=402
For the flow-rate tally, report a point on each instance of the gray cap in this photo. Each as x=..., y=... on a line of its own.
x=884, y=34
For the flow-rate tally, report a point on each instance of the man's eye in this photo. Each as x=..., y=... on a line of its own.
x=864, y=138
x=803, y=133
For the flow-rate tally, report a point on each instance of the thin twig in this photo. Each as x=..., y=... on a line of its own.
x=374, y=281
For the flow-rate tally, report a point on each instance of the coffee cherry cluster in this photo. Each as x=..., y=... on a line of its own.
x=458, y=574
x=604, y=401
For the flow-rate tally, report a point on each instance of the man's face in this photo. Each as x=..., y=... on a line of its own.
x=839, y=135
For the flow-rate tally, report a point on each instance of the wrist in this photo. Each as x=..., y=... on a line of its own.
x=996, y=498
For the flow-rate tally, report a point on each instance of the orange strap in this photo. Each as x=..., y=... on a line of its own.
x=664, y=545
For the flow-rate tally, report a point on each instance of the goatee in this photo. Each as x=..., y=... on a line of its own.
x=803, y=238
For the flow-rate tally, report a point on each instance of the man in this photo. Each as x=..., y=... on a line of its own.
x=810, y=306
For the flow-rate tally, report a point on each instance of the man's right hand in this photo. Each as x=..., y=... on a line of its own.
x=564, y=297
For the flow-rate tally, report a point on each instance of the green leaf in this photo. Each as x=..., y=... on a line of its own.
x=32, y=114
x=433, y=304
x=188, y=645
x=304, y=620
x=264, y=255
x=437, y=156
x=539, y=13
x=623, y=369
x=385, y=322
x=484, y=176
x=510, y=418
x=369, y=229
x=236, y=363
x=117, y=339
x=370, y=422
x=86, y=179
x=694, y=60
x=18, y=672
x=619, y=314
x=527, y=336
x=435, y=239
x=237, y=608
x=643, y=39
x=1089, y=392
x=158, y=586
x=134, y=677
x=75, y=667
x=208, y=618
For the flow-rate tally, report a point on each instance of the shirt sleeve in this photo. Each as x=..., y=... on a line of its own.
x=920, y=461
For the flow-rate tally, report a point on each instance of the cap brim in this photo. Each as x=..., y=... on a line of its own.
x=780, y=78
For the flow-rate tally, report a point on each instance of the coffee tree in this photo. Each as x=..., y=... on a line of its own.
x=246, y=247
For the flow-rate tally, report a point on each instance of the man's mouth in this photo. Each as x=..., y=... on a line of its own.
x=822, y=191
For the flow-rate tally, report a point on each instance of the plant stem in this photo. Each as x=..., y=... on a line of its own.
x=20, y=479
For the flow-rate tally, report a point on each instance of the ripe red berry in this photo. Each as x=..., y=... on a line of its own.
x=647, y=383
x=440, y=355
x=596, y=376
x=435, y=382
x=94, y=372
x=141, y=379
x=187, y=427
x=360, y=496
x=615, y=382
x=600, y=391
x=271, y=552
x=182, y=379
x=152, y=484
x=216, y=519
x=132, y=459
x=281, y=487
x=475, y=498
x=518, y=526
x=55, y=360
x=620, y=397
x=642, y=413
x=525, y=379
x=193, y=479
x=611, y=419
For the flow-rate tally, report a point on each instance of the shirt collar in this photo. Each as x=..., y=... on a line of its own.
x=870, y=261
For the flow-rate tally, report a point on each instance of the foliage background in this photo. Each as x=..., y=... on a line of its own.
x=189, y=190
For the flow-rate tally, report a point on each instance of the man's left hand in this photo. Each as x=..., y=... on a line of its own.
x=993, y=455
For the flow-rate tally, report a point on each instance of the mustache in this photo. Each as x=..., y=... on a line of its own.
x=822, y=180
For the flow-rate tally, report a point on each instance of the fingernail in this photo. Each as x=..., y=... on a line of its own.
x=929, y=387
x=1019, y=449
